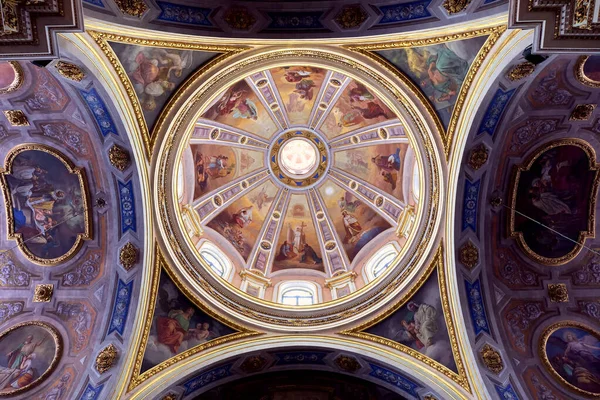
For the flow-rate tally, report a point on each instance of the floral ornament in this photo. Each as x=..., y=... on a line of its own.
x=558, y=292
x=239, y=18
x=351, y=17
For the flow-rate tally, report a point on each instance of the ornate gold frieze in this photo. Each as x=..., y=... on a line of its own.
x=128, y=256
x=70, y=71
x=520, y=71
x=558, y=292
x=106, y=358
x=119, y=157
x=492, y=359
x=582, y=112
x=16, y=118
x=436, y=265
x=43, y=293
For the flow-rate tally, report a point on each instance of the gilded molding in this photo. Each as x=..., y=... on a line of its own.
x=580, y=73
x=43, y=293
x=583, y=235
x=447, y=135
x=17, y=81
x=102, y=39
x=86, y=235
x=16, y=117
x=558, y=292
x=53, y=364
x=160, y=266
x=492, y=359
x=544, y=357
x=436, y=264
x=69, y=71
x=106, y=358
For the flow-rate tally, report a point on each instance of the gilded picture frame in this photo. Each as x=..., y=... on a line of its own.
x=58, y=343
x=17, y=81
x=580, y=75
x=8, y=201
x=525, y=167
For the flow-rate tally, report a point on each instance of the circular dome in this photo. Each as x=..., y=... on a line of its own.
x=295, y=190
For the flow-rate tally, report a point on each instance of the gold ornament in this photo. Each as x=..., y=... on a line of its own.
x=347, y=364
x=16, y=118
x=128, y=256
x=430, y=397
x=69, y=71
x=170, y=396
x=468, y=255
x=135, y=8
x=253, y=364
x=478, y=156
x=455, y=6
x=582, y=112
x=119, y=157
x=520, y=71
x=43, y=293
x=492, y=359
x=351, y=17
x=558, y=292
x=106, y=358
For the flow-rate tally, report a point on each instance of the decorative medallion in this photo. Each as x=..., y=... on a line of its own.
x=106, y=358
x=587, y=70
x=128, y=256
x=70, y=71
x=135, y=8
x=558, y=292
x=478, y=156
x=520, y=71
x=239, y=18
x=299, y=159
x=265, y=245
x=352, y=16
x=253, y=364
x=32, y=351
x=569, y=351
x=492, y=359
x=16, y=118
x=119, y=157
x=42, y=188
x=347, y=364
x=468, y=255
x=11, y=76
x=43, y=293
x=170, y=396
x=582, y=112
x=455, y=6
x=541, y=197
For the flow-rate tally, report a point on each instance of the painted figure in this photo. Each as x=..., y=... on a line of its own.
x=245, y=109
x=173, y=329
x=353, y=228
x=286, y=252
x=243, y=217
x=308, y=253
x=24, y=350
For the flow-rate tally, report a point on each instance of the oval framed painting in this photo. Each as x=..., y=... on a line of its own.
x=47, y=203
x=587, y=70
x=11, y=76
x=570, y=351
x=555, y=188
x=29, y=353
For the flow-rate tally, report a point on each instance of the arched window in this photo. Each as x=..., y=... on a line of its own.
x=381, y=261
x=416, y=184
x=298, y=293
x=216, y=260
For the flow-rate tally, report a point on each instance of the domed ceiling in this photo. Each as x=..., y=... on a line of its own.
x=300, y=174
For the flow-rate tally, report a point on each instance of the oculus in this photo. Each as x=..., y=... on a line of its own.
x=32, y=351
x=556, y=187
x=587, y=70
x=48, y=204
x=571, y=353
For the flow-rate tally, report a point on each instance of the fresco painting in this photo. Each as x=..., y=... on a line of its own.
x=298, y=245
x=381, y=166
x=591, y=68
x=241, y=108
x=177, y=325
x=7, y=74
x=241, y=222
x=557, y=191
x=355, y=223
x=299, y=88
x=420, y=325
x=439, y=70
x=156, y=72
x=28, y=353
x=216, y=165
x=48, y=203
x=574, y=354
x=357, y=107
